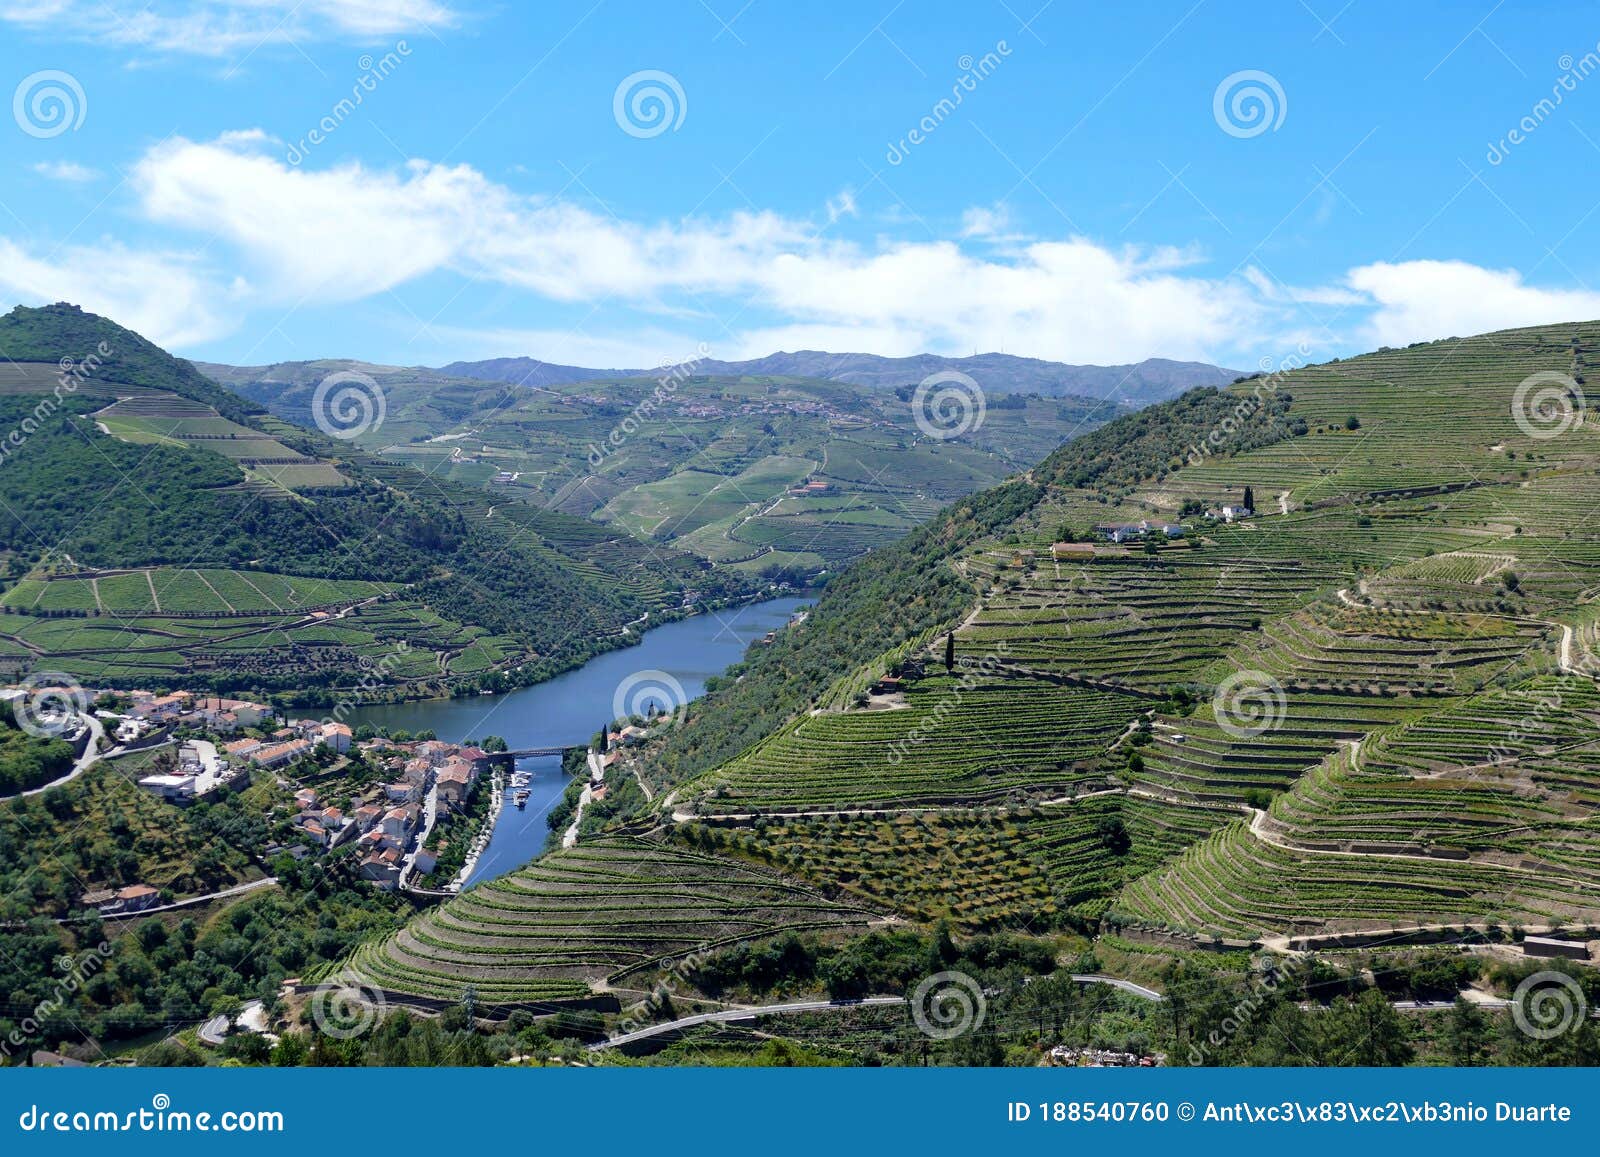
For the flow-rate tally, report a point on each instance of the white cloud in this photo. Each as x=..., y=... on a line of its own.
x=1426, y=300
x=746, y=284
x=844, y=205
x=347, y=232
x=163, y=296
x=68, y=171
x=224, y=27
x=989, y=223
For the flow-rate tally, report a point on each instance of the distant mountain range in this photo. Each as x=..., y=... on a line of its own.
x=1152, y=380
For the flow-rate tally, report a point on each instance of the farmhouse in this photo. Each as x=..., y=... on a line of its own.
x=384, y=873
x=227, y=715
x=454, y=784
x=159, y=708
x=135, y=898
x=278, y=754
x=1123, y=531
x=336, y=735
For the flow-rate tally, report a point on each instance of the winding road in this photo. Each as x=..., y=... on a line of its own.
x=727, y=1015
x=91, y=754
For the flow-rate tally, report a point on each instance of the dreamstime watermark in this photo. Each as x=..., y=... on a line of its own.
x=643, y=1013
x=1548, y=1004
x=1547, y=404
x=374, y=676
x=373, y=72
x=50, y=704
x=1265, y=985
x=931, y=720
x=649, y=694
x=348, y=404
x=973, y=73
x=1248, y=704
x=666, y=388
x=1248, y=103
x=1541, y=719
x=71, y=374
x=947, y=405
x=48, y=103
x=346, y=1008
x=1573, y=73
x=77, y=970
x=947, y=1005
x=649, y=102
x=1266, y=382
x=160, y=1117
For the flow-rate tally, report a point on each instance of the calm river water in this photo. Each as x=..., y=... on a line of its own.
x=569, y=709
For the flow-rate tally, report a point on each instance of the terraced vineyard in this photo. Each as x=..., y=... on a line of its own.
x=161, y=532
x=1367, y=708
x=713, y=465
x=270, y=468
x=589, y=916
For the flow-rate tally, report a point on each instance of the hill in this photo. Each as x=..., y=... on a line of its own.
x=1152, y=380
x=768, y=475
x=1364, y=712
x=160, y=530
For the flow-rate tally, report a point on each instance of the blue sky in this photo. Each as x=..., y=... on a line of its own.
x=1096, y=195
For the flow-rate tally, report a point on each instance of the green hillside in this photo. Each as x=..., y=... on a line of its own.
x=712, y=465
x=158, y=530
x=1365, y=710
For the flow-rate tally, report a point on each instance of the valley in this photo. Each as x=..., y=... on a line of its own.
x=1295, y=675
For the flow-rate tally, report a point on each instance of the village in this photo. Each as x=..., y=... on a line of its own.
x=392, y=801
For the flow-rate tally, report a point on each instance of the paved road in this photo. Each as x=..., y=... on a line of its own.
x=91, y=755
x=731, y=1014
x=237, y=890
x=723, y=1016
x=430, y=816
x=251, y=1016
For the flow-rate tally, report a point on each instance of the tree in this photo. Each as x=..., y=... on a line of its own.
x=950, y=651
x=1249, y=498
x=1365, y=1031
x=1468, y=1035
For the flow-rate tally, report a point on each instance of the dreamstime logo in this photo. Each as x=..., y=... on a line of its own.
x=973, y=73
x=1547, y=405
x=648, y=693
x=373, y=72
x=1573, y=73
x=648, y=103
x=666, y=388
x=348, y=404
x=1547, y=1004
x=1263, y=391
x=346, y=1009
x=947, y=405
x=76, y=971
x=50, y=704
x=1248, y=103
x=947, y=1005
x=48, y=103
x=1248, y=704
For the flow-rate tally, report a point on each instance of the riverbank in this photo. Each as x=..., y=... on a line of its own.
x=520, y=674
x=497, y=783
x=672, y=661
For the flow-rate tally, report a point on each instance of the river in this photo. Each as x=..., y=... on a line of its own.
x=568, y=710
